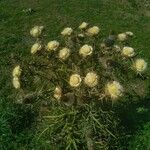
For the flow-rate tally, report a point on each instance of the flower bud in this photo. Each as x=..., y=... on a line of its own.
x=16, y=71
x=129, y=33
x=81, y=35
x=36, y=47
x=91, y=79
x=128, y=52
x=83, y=25
x=36, y=31
x=75, y=80
x=67, y=31
x=122, y=37
x=16, y=83
x=86, y=50
x=52, y=45
x=64, y=53
x=58, y=93
x=93, y=31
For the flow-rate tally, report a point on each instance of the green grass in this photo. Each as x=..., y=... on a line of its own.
x=18, y=123
x=141, y=139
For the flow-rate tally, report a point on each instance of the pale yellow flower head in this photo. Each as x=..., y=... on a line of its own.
x=114, y=89
x=36, y=31
x=58, y=93
x=91, y=79
x=75, y=80
x=17, y=71
x=86, y=50
x=140, y=65
x=128, y=51
x=83, y=25
x=36, y=47
x=16, y=82
x=93, y=31
x=67, y=31
x=122, y=37
x=129, y=33
x=52, y=45
x=64, y=53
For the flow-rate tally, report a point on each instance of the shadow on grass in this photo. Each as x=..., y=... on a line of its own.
x=23, y=119
x=134, y=115
x=17, y=126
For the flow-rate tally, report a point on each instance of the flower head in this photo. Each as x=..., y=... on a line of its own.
x=140, y=65
x=75, y=80
x=91, y=79
x=86, y=50
x=36, y=47
x=114, y=89
x=122, y=37
x=67, y=31
x=93, y=31
x=64, y=53
x=52, y=45
x=58, y=93
x=128, y=51
x=16, y=82
x=16, y=71
x=83, y=25
x=36, y=31
x=129, y=33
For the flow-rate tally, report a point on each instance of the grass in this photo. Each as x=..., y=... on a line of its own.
x=141, y=139
x=18, y=123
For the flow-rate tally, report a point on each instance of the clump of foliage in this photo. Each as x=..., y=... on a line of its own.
x=74, y=80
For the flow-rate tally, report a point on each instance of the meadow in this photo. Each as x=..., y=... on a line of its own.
x=21, y=126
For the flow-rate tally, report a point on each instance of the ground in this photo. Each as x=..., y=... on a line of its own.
x=16, y=22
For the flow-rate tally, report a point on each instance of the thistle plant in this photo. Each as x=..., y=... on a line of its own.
x=78, y=69
x=82, y=63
